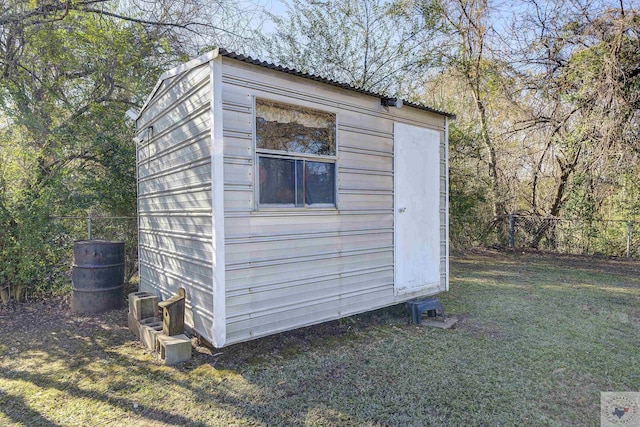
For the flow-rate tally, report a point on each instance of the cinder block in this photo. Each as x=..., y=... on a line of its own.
x=134, y=296
x=149, y=333
x=448, y=323
x=143, y=305
x=174, y=349
x=134, y=325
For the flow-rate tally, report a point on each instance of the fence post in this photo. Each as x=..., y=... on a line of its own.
x=512, y=231
x=89, y=225
x=628, y=239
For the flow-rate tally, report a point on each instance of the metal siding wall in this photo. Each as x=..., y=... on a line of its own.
x=174, y=200
x=291, y=268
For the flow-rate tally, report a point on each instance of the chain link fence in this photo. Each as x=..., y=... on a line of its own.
x=575, y=236
x=614, y=238
x=471, y=231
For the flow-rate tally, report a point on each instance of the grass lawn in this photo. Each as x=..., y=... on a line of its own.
x=539, y=338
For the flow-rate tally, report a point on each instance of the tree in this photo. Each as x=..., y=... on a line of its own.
x=472, y=62
x=372, y=44
x=69, y=70
x=549, y=105
x=64, y=94
x=579, y=80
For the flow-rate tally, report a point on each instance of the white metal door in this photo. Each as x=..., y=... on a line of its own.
x=416, y=207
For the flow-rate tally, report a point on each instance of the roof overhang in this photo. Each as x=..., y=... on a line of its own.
x=209, y=56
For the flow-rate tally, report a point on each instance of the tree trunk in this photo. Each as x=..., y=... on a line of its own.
x=558, y=201
x=4, y=295
x=499, y=205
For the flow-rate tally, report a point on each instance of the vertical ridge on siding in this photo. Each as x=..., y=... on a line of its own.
x=219, y=326
x=445, y=154
x=443, y=211
x=174, y=194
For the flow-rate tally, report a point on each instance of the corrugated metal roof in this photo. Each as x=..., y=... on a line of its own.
x=249, y=60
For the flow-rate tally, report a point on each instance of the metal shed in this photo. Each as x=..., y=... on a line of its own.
x=279, y=199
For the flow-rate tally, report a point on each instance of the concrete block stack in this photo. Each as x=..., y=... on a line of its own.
x=152, y=331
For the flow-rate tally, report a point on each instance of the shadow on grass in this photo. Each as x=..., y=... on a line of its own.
x=498, y=368
x=18, y=411
x=126, y=405
x=78, y=361
x=94, y=360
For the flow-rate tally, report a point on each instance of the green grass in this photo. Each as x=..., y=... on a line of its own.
x=539, y=338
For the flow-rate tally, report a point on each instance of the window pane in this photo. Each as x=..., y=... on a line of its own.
x=277, y=181
x=320, y=183
x=294, y=129
x=300, y=183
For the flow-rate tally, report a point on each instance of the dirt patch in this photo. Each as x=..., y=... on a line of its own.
x=290, y=344
x=44, y=317
x=480, y=329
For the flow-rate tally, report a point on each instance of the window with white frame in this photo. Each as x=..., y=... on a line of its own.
x=296, y=155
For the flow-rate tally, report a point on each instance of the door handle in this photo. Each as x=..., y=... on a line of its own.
x=402, y=210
